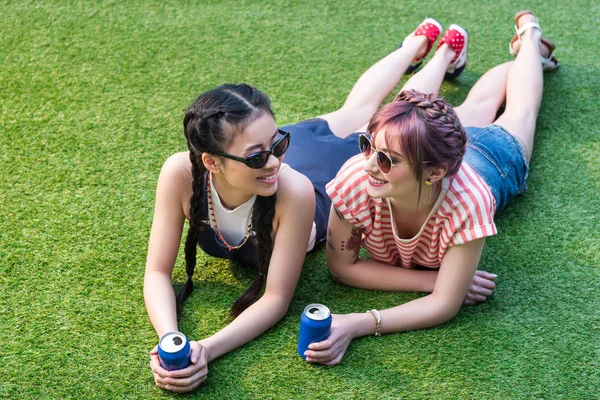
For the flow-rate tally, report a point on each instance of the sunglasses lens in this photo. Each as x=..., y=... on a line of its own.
x=384, y=162
x=281, y=147
x=364, y=145
x=257, y=160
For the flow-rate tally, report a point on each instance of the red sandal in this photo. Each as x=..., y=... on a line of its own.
x=430, y=28
x=457, y=38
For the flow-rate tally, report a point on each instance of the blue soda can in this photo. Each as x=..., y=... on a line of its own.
x=174, y=351
x=315, y=325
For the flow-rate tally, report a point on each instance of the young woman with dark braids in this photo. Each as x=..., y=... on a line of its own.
x=425, y=191
x=244, y=204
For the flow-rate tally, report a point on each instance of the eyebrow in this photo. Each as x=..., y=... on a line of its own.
x=259, y=145
x=390, y=152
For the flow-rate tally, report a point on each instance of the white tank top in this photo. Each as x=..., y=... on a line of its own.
x=233, y=224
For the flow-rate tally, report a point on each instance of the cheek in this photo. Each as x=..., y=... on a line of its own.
x=403, y=178
x=402, y=175
x=237, y=174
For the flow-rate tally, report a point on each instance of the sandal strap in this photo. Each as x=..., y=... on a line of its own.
x=529, y=25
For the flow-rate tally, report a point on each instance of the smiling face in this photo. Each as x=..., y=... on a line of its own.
x=236, y=182
x=400, y=182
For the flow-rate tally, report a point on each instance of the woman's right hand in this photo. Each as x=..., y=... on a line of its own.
x=481, y=287
x=182, y=380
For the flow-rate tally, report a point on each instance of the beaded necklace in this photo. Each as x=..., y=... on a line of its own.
x=211, y=213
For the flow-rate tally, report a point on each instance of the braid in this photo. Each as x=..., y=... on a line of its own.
x=444, y=139
x=191, y=240
x=209, y=125
x=265, y=207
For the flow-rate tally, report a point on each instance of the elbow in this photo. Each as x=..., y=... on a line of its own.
x=337, y=269
x=445, y=309
x=279, y=305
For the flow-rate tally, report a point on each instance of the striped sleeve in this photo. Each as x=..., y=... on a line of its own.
x=472, y=205
x=348, y=193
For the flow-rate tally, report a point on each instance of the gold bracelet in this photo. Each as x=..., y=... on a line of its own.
x=377, y=317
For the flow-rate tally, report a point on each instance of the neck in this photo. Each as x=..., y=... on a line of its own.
x=230, y=196
x=415, y=204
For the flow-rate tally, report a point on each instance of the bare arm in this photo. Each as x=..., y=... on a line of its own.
x=295, y=213
x=165, y=236
x=449, y=289
x=343, y=243
x=456, y=272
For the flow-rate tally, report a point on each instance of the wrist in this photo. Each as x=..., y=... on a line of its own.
x=376, y=320
x=363, y=324
x=209, y=349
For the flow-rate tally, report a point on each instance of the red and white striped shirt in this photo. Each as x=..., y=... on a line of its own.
x=463, y=212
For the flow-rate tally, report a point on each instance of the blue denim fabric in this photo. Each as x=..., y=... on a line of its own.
x=318, y=154
x=499, y=158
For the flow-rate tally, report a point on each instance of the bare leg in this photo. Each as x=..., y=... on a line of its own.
x=524, y=89
x=430, y=78
x=485, y=97
x=373, y=87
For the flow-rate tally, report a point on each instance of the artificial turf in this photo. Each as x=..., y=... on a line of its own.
x=92, y=96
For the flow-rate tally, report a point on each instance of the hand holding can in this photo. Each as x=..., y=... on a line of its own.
x=315, y=326
x=174, y=351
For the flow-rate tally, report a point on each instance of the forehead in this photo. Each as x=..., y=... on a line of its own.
x=389, y=141
x=259, y=131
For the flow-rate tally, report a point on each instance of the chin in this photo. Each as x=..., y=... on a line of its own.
x=376, y=192
x=267, y=191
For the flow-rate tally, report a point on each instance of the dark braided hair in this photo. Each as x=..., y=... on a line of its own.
x=209, y=126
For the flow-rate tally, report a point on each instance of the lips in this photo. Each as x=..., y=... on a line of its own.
x=376, y=182
x=268, y=178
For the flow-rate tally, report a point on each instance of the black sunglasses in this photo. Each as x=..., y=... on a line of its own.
x=260, y=159
x=384, y=161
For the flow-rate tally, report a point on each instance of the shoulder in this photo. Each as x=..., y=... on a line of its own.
x=177, y=170
x=471, y=192
x=178, y=164
x=469, y=206
x=293, y=186
x=350, y=183
x=175, y=180
x=295, y=202
x=348, y=192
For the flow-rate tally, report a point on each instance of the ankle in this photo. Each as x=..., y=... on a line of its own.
x=418, y=44
x=446, y=51
x=532, y=34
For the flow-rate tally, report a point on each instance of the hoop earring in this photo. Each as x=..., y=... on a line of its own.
x=428, y=182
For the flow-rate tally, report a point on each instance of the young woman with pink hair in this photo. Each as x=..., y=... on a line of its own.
x=425, y=190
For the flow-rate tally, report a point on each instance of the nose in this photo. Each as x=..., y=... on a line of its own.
x=370, y=164
x=272, y=162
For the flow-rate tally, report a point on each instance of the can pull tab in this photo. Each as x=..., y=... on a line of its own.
x=318, y=313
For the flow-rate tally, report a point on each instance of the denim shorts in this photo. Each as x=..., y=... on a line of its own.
x=318, y=154
x=499, y=158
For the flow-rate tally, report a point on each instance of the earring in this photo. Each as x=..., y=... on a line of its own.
x=428, y=182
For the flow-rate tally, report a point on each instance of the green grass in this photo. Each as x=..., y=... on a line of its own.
x=92, y=96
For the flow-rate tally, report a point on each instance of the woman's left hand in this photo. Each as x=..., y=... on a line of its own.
x=481, y=287
x=331, y=350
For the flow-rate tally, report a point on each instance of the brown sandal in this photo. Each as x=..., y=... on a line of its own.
x=549, y=63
